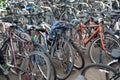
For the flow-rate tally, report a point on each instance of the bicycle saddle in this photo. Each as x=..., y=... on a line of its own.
x=115, y=53
x=34, y=27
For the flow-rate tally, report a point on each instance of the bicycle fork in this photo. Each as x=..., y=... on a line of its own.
x=102, y=43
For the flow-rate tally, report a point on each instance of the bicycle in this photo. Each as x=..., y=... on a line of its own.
x=50, y=43
x=60, y=50
x=98, y=72
x=98, y=43
x=39, y=38
x=111, y=71
x=16, y=60
x=115, y=63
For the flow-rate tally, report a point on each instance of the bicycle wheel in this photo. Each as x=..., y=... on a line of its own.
x=116, y=65
x=6, y=50
x=37, y=67
x=53, y=71
x=9, y=57
x=109, y=33
x=63, y=58
x=97, y=54
x=79, y=59
x=98, y=72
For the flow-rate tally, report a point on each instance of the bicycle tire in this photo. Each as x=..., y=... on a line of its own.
x=95, y=46
x=108, y=33
x=116, y=65
x=53, y=71
x=11, y=65
x=6, y=50
x=79, y=62
x=37, y=66
x=63, y=68
x=97, y=72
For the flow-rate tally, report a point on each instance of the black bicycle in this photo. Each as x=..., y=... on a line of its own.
x=104, y=72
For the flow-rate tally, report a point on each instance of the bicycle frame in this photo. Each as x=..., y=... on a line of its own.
x=97, y=31
x=13, y=35
x=44, y=34
x=11, y=42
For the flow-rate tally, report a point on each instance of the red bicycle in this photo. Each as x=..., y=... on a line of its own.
x=100, y=43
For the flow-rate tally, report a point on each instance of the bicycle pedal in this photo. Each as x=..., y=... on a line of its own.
x=83, y=48
x=5, y=72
